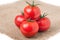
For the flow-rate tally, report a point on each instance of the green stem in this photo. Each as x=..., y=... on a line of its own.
x=29, y=20
x=32, y=4
x=42, y=16
x=28, y=3
x=22, y=13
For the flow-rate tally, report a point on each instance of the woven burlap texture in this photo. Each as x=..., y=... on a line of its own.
x=9, y=11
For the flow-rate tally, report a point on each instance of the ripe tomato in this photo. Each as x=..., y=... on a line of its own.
x=32, y=11
x=44, y=24
x=29, y=29
x=19, y=19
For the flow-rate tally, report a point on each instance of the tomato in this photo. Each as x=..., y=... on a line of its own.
x=44, y=24
x=19, y=19
x=28, y=28
x=32, y=11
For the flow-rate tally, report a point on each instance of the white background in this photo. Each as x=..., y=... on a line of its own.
x=53, y=2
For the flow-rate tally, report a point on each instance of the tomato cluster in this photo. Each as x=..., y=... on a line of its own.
x=31, y=21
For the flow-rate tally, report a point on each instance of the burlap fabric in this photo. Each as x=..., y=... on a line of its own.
x=9, y=11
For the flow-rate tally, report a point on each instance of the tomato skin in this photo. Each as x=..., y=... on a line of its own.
x=44, y=24
x=29, y=29
x=18, y=20
x=32, y=12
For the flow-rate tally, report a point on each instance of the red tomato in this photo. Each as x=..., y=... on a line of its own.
x=19, y=19
x=29, y=29
x=32, y=12
x=44, y=24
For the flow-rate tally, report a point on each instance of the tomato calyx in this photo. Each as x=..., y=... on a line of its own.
x=29, y=20
x=32, y=4
x=22, y=13
x=42, y=16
